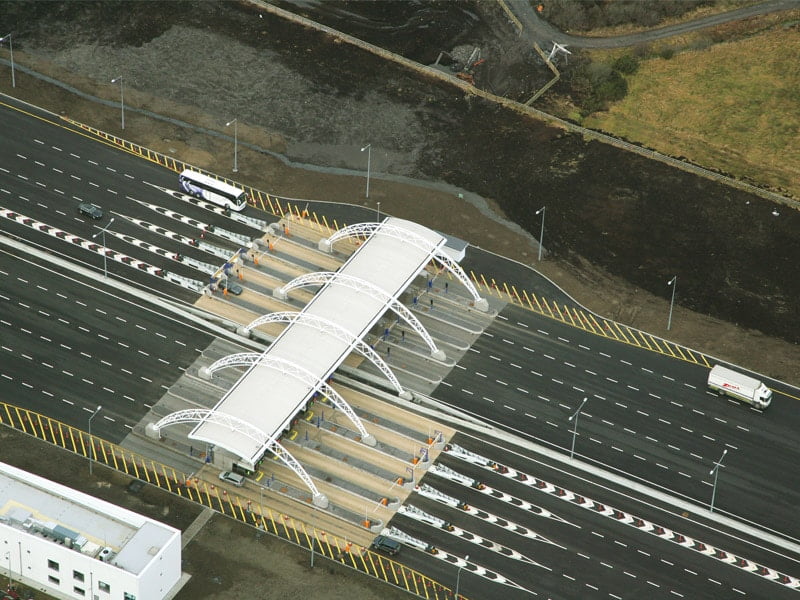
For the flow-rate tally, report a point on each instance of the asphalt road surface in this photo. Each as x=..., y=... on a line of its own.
x=71, y=343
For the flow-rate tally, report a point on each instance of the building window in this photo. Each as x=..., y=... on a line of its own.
x=77, y=575
x=51, y=564
x=128, y=596
x=104, y=587
x=54, y=580
x=79, y=591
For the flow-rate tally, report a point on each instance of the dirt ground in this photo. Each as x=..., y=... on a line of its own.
x=616, y=225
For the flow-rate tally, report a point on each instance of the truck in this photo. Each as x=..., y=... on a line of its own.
x=727, y=382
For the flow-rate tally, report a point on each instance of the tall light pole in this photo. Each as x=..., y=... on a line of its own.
x=105, y=250
x=11, y=50
x=715, y=472
x=8, y=556
x=235, y=124
x=121, y=96
x=458, y=574
x=674, y=283
x=91, y=444
x=368, y=148
x=379, y=212
x=575, y=416
x=541, y=232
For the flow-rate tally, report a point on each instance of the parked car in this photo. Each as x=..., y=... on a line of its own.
x=231, y=477
x=87, y=209
x=233, y=288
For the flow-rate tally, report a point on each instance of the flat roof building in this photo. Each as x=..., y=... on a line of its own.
x=78, y=546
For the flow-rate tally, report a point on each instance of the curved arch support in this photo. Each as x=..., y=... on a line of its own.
x=410, y=237
x=197, y=415
x=366, y=287
x=241, y=359
x=328, y=327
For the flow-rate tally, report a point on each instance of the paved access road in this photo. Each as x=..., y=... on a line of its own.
x=648, y=416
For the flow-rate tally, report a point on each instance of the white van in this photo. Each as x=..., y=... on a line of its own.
x=231, y=477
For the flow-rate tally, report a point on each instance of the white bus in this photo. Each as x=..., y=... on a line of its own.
x=207, y=188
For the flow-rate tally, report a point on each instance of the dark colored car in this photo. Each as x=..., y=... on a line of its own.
x=233, y=288
x=90, y=210
x=386, y=545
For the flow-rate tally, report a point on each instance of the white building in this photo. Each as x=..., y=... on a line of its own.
x=72, y=545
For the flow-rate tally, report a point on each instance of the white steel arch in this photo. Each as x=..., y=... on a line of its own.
x=410, y=237
x=361, y=285
x=287, y=367
x=196, y=415
x=328, y=327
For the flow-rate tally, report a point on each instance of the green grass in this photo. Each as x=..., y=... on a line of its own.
x=733, y=106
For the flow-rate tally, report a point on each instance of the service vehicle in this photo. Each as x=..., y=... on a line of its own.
x=727, y=382
x=386, y=545
x=231, y=477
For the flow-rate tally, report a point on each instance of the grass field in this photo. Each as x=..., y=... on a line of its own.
x=732, y=106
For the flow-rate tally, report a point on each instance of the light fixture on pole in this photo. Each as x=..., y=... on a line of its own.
x=458, y=575
x=91, y=443
x=575, y=416
x=121, y=96
x=105, y=250
x=379, y=211
x=541, y=232
x=235, y=124
x=715, y=472
x=368, y=148
x=11, y=51
x=674, y=283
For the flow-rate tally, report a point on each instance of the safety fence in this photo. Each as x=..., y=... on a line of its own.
x=570, y=315
x=253, y=513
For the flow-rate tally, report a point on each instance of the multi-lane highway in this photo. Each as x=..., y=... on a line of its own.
x=71, y=342
x=648, y=416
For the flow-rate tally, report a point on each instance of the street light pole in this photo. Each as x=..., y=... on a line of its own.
x=11, y=50
x=235, y=124
x=458, y=575
x=91, y=443
x=121, y=96
x=368, y=148
x=674, y=283
x=379, y=212
x=715, y=472
x=541, y=232
x=575, y=416
x=105, y=250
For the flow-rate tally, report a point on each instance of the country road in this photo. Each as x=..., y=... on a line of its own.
x=542, y=32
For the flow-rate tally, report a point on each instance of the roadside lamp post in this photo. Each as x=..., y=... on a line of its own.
x=105, y=250
x=575, y=416
x=235, y=124
x=379, y=212
x=8, y=557
x=541, y=232
x=121, y=96
x=368, y=148
x=715, y=473
x=674, y=283
x=458, y=575
x=91, y=444
x=11, y=51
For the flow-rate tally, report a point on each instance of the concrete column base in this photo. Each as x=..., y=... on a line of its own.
x=369, y=440
x=325, y=246
x=406, y=395
x=279, y=294
x=482, y=304
x=243, y=331
x=151, y=431
x=439, y=355
x=320, y=501
x=204, y=373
